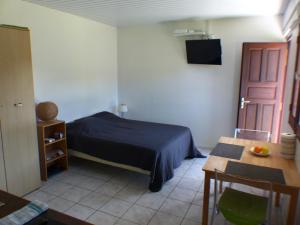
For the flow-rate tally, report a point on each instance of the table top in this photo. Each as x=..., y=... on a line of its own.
x=13, y=203
x=275, y=160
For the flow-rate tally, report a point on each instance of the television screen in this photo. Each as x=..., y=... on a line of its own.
x=204, y=51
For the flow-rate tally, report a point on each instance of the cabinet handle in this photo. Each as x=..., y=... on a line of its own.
x=18, y=104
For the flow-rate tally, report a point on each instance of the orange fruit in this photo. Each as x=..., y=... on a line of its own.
x=258, y=149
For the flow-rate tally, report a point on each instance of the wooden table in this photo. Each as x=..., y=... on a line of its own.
x=291, y=174
x=13, y=203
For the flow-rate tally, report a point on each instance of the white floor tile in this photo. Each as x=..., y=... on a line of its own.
x=41, y=196
x=90, y=183
x=165, y=219
x=74, y=179
x=189, y=222
x=57, y=188
x=60, y=204
x=187, y=163
x=100, y=218
x=198, y=200
x=195, y=173
x=180, y=171
x=122, y=221
x=130, y=194
x=194, y=213
x=75, y=194
x=116, y=207
x=175, y=207
x=111, y=188
x=181, y=197
x=151, y=200
x=181, y=194
x=80, y=212
x=190, y=183
x=166, y=189
x=139, y=214
x=174, y=181
x=95, y=200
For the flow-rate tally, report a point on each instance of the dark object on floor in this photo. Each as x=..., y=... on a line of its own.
x=159, y=148
x=228, y=151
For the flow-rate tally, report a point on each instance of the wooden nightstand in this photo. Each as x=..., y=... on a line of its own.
x=52, y=146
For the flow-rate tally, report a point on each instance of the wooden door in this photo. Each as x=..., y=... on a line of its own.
x=2, y=166
x=261, y=90
x=18, y=123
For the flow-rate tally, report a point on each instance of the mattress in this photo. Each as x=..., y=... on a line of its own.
x=158, y=148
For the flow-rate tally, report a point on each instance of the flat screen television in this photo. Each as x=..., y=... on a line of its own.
x=204, y=51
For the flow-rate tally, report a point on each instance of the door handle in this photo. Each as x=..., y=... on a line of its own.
x=19, y=104
x=244, y=102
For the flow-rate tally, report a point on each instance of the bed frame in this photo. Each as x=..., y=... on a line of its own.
x=98, y=160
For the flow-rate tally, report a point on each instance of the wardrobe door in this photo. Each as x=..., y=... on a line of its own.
x=2, y=168
x=19, y=124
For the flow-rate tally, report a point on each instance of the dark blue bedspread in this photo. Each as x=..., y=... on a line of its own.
x=159, y=148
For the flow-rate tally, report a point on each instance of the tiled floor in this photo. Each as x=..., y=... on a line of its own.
x=104, y=195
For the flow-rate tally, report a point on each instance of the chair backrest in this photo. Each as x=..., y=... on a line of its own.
x=252, y=134
x=262, y=184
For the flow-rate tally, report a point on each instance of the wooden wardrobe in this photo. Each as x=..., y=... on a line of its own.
x=19, y=159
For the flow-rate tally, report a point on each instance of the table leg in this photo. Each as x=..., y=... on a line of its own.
x=205, y=207
x=292, y=207
x=277, y=199
x=220, y=186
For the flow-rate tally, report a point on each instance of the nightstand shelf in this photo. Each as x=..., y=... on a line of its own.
x=49, y=162
x=52, y=153
x=54, y=142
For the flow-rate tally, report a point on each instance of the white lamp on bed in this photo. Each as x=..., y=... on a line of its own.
x=123, y=109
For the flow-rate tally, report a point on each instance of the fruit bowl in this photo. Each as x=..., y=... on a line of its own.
x=260, y=151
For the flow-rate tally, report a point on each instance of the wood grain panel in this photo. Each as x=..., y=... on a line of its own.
x=255, y=65
x=295, y=98
x=19, y=122
x=2, y=168
x=261, y=93
x=273, y=57
x=251, y=114
x=267, y=115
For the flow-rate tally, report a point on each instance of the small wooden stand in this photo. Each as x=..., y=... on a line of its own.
x=49, y=151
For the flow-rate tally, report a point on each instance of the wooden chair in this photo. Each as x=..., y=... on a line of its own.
x=252, y=134
x=241, y=208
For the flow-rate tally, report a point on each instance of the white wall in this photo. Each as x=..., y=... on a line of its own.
x=158, y=85
x=74, y=59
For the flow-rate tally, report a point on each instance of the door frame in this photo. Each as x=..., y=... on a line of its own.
x=283, y=88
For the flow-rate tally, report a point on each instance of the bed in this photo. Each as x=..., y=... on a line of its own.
x=151, y=148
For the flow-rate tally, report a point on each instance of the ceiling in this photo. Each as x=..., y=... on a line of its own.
x=132, y=12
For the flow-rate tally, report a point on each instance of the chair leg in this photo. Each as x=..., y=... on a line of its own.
x=220, y=186
x=212, y=218
x=277, y=199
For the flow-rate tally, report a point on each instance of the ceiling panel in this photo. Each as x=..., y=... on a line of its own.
x=131, y=12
